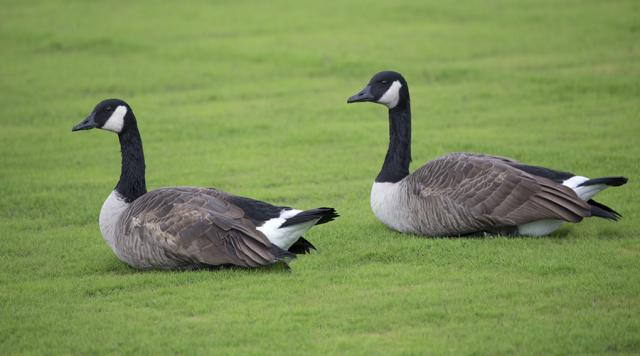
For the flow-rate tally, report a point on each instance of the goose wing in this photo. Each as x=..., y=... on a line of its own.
x=198, y=225
x=551, y=174
x=481, y=193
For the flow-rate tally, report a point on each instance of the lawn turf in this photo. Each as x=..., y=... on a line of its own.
x=249, y=97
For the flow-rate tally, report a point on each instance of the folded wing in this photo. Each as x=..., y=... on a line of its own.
x=485, y=193
x=199, y=226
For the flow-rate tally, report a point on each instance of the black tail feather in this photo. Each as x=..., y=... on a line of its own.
x=611, y=181
x=324, y=214
x=328, y=217
x=301, y=247
x=603, y=211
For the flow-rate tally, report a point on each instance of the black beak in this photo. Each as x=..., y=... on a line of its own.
x=363, y=95
x=87, y=124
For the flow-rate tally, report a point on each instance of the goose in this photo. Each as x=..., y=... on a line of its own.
x=468, y=193
x=189, y=227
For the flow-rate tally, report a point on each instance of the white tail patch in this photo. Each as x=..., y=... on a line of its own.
x=586, y=192
x=116, y=121
x=287, y=236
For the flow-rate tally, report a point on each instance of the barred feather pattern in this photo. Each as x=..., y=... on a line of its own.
x=464, y=193
x=186, y=227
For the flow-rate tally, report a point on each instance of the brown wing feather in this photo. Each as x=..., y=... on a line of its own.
x=484, y=192
x=200, y=226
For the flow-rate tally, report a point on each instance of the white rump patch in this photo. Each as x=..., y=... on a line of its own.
x=116, y=120
x=287, y=236
x=584, y=193
x=574, y=181
x=392, y=95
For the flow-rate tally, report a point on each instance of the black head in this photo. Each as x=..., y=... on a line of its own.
x=387, y=88
x=112, y=114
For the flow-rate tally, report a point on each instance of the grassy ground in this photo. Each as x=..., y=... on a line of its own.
x=250, y=97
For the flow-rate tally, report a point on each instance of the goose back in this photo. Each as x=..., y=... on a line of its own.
x=186, y=226
x=463, y=193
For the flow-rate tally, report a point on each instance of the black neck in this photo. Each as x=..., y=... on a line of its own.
x=396, y=163
x=132, y=184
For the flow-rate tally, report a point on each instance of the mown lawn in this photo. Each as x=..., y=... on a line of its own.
x=249, y=97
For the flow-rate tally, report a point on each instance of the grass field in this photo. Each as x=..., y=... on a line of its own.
x=250, y=97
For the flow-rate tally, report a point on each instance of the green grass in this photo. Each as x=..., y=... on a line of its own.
x=250, y=97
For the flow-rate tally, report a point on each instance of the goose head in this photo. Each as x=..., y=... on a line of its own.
x=387, y=88
x=113, y=115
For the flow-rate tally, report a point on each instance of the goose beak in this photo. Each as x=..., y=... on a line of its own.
x=363, y=95
x=87, y=124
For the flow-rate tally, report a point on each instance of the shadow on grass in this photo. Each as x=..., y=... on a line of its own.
x=561, y=233
x=116, y=267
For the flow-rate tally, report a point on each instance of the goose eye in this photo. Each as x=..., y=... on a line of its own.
x=108, y=108
x=384, y=82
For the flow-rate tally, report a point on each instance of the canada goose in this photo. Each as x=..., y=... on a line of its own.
x=188, y=227
x=467, y=193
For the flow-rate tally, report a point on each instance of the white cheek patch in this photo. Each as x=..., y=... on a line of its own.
x=116, y=121
x=392, y=95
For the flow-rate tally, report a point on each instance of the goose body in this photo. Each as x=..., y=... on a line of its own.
x=190, y=227
x=468, y=193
